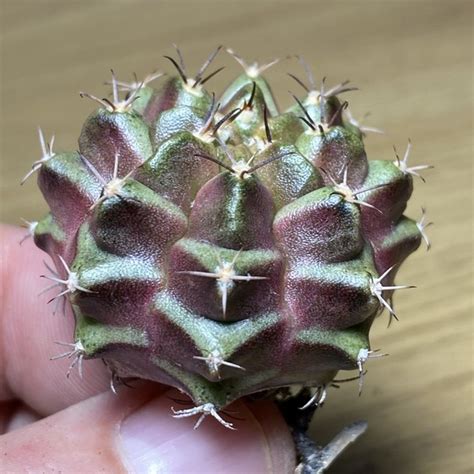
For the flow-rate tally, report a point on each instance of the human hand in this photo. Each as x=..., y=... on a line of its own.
x=51, y=423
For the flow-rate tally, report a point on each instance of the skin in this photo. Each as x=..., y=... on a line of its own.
x=98, y=430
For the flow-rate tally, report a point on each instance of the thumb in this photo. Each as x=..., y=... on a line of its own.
x=135, y=432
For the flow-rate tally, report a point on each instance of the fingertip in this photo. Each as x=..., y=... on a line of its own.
x=260, y=443
x=81, y=438
x=29, y=330
x=281, y=448
x=136, y=432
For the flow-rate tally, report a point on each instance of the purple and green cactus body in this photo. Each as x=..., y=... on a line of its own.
x=220, y=246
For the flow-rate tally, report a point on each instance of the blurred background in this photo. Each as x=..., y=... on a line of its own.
x=412, y=61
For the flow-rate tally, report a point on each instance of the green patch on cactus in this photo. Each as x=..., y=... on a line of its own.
x=176, y=170
x=184, y=94
x=350, y=340
x=308, y=200
x=95, y=266
x=201, y=390
x=355, y=273
x=286, y=128
x=209, y=335
x=312, y=143
x=143, y=97
x=70, y=168
x=210, y=256
x=96, y=337
x=171, y=158
x=178, y=119
x=382, y=172
x=221, y=393
x=405, y=229
x=243, y=83
x=48, y=225
x=289, y=177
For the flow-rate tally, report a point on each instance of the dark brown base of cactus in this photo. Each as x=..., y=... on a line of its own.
x=314, y=459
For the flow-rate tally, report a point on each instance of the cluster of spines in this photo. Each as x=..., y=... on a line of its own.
x=153, y=160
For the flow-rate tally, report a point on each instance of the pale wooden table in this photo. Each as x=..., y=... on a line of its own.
x=413, y=63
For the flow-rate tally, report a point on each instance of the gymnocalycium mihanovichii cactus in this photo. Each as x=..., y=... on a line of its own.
x=219, y=245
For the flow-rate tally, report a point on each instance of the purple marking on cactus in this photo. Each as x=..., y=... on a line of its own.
x=162, y=100
x=323, y=230
x=54, y=245
x=223, y=294
x=298, y=362
x=149, y=232
x=393, y=254
x=331, y=304
x=114, y=300
x=105, y=135
x=170, y=342
x=225, y=276
x=390, y=199
x=332, y=149
x=68, y=200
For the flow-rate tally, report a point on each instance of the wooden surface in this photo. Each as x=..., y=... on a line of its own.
x=413, y=64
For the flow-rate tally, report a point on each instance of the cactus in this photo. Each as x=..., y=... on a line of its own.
x=221, y=246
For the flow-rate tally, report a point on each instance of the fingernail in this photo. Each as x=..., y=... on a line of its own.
x=152, y=441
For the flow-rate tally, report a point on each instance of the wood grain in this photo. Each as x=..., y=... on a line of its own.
x=413, y=64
